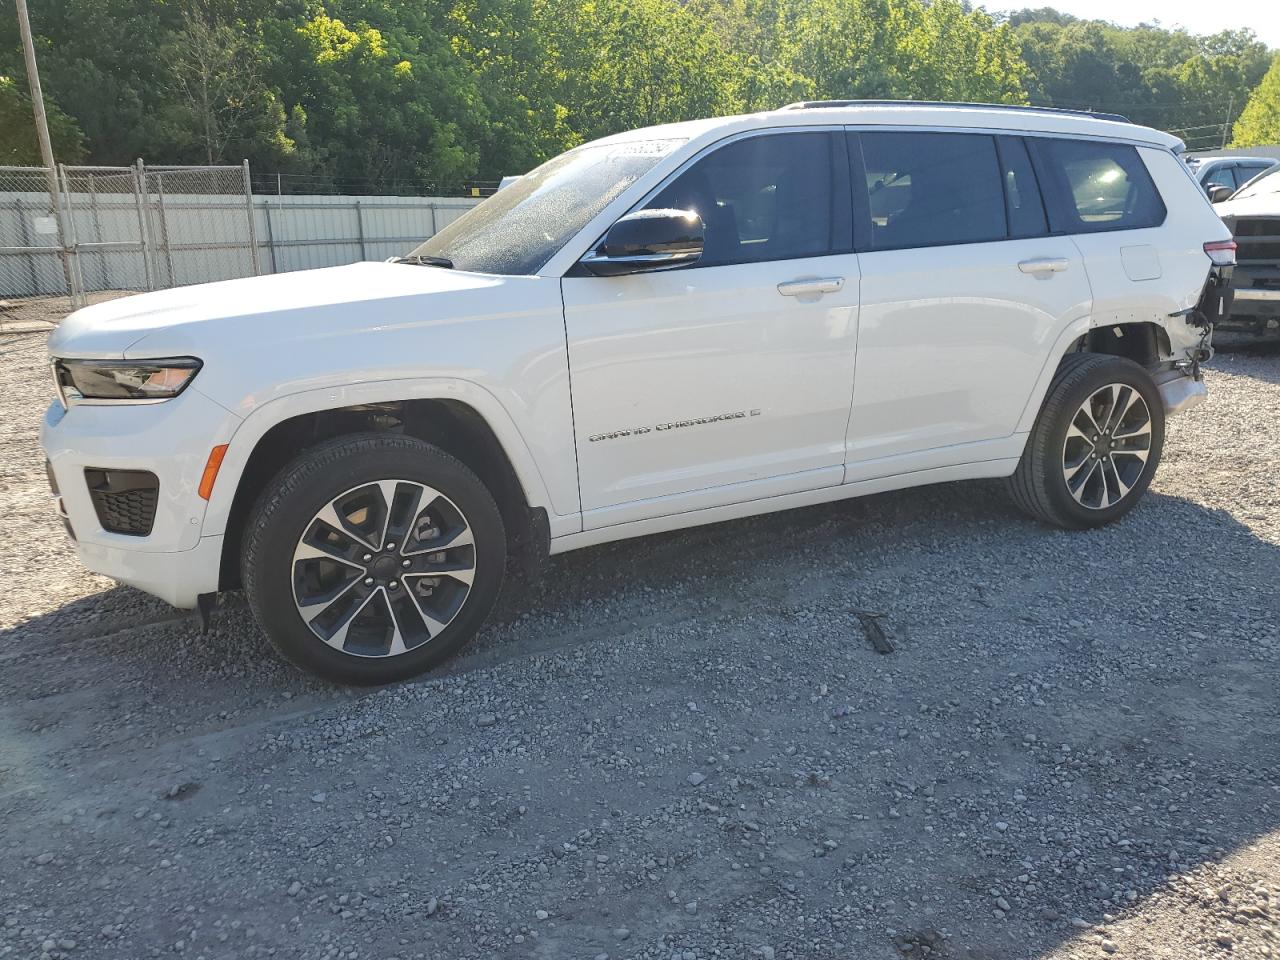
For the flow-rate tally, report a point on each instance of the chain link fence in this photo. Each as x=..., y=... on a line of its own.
x=118, y=230
x=202, y=222
x=31, y=251
x=142, y=227
x=106, y=228
x=148, y=227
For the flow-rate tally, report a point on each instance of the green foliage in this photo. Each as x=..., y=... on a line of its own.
x=1191, y=85
x=378, y=92
x=18, y=143
x=1259, y=124
x=632, y=63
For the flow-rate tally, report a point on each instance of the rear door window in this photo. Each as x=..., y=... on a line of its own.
x=928, y=189
x=1093, y=186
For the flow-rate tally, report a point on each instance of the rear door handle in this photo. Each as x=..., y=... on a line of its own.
x=1044, y=265
x=800, y=288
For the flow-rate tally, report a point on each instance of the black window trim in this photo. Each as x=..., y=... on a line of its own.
x=1002, y=141
x=840, y=171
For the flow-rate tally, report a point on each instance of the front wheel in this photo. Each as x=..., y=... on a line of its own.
x=1095, y=445
x=372, y=558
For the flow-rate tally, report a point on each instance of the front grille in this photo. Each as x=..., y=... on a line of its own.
x=1258, y=238
x=125, y=500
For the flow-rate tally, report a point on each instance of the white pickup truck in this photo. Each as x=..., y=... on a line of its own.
x=667, y=327
x=1253, y=215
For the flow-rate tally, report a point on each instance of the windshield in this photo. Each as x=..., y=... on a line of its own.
x=520, y=227
x=1267, y=183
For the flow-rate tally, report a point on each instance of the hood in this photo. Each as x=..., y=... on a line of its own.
x=1258, y=205
x=188, y=320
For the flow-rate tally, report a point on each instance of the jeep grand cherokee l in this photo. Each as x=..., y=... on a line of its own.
x=667, y=327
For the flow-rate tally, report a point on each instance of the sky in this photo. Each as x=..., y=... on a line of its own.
x=1198, y=16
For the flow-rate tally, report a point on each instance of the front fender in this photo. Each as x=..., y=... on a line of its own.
x=263, y=418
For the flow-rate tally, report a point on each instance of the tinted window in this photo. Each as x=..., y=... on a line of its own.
x=1245, y=173
x=1097, y=186
x=1215, y=173
x=1021, y=192
x=1223, y=176
x=772, y=197
x=926, y=189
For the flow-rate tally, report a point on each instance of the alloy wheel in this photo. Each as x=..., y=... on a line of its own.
x=1107, y=445
x=383, y=568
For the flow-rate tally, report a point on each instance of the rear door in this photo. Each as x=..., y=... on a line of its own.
x=963, y=294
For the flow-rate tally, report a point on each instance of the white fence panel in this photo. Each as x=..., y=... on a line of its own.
x=190, y=244
x=29, y=263
x=300, y=232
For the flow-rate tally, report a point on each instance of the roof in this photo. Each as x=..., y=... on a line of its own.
x=1202, y=159
x=907, y=113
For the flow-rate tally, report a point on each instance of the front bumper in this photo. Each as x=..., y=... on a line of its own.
x=1256, y=303
x=176, y=578
x=171, y=440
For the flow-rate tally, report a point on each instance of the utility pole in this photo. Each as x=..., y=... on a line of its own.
x=1226, y=127
x=42, y=134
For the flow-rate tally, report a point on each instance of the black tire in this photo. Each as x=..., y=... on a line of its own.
x=1039, y=486
x=291, y=502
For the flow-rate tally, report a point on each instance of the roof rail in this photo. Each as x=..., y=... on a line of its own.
x=809, y=104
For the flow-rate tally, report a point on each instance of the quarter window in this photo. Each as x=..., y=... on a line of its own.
x=771, y=197
x=1097, y=186
x=926, y=189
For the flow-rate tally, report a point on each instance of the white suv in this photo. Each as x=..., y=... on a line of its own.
x=664, y=328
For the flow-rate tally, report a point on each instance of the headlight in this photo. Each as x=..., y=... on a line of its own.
x=123, y=379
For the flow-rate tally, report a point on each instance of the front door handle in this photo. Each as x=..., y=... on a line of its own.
x=1044, y=265
x=800, y=288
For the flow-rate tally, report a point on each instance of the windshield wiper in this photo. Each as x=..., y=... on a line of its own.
x=422, y=260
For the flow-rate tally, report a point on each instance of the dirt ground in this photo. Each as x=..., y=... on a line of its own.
x=685, y=747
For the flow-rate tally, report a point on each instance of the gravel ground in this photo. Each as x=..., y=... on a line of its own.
x=687, y=747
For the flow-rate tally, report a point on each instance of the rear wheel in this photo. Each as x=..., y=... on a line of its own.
x=1095, y=446
x=372, y=558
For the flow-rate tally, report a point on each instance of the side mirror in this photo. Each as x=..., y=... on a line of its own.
x=648, y=240
x=1218, y=193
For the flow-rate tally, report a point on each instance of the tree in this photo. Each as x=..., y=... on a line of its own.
x=620, y=64
x=517, y=119
x=216, y=80
x=953, y=53
x=18, y=142
x=376, y=93
x=383, y=95
x=1259, y=123
x=1170, y=79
